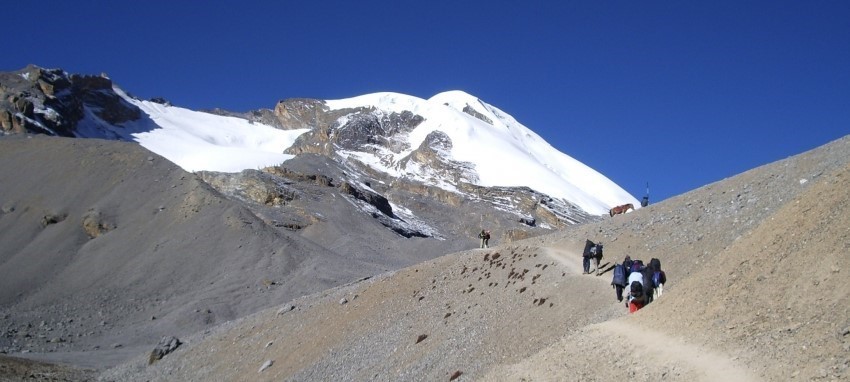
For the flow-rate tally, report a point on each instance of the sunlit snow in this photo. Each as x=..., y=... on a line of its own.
x=198, y=141
x=504, y=153
x=501, y=153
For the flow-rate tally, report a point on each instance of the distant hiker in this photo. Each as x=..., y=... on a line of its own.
x=648, y=285
x=587, y=254
x=635, y=277
x=485, y=238
x=619, y=281
x=659, y=278
x=637, y=297
x=627, y=264
x=596, y=257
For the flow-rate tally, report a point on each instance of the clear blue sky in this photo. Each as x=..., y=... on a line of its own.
x=675, y=93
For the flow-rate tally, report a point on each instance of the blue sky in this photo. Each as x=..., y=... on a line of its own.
x=676, y=94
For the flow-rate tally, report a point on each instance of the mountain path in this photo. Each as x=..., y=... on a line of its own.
x=707, y=364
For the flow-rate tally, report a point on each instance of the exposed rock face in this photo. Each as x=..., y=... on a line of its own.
x=50, y=101
x=96, y=224
x=252, y=185
x=301, y=113
x=348, y=129
x=469, y=110
x=378, y=201
x=166, y=345
x=442, y=196
x=431, y=159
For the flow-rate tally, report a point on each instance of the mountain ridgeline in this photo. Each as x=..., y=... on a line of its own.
x=346, y=142
x=105, y=222
x=357, y=259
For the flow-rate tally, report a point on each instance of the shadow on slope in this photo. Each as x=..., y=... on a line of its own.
x=108, y=246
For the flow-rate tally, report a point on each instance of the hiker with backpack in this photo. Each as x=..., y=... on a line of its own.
x=635, y=277
x=619, y=281
x=596, y=257
x=648, y=285
x=627, y=265
x=658, y=278
x=637, y=297
x=588, y=253
x=485, y=238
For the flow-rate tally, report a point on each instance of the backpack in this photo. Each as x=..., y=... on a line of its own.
x=637, y=265
x=619, y=275
x=658, y=278
x=588, y=247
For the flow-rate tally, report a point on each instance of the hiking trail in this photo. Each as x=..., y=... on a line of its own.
x=707, y=364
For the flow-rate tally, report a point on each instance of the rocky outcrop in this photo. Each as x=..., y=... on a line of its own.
x=469, y=110
x=431, y=158
x=348, y=129
x=53, y=102
x=302, y=113
x=96, y=224
x=283, y=172
x=252, y=186
x=165, y=346
x=378, y=201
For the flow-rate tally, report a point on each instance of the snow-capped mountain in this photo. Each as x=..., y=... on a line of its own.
x=498, y=150
x=453, y=141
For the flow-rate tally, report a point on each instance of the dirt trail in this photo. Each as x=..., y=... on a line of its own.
x=708, y=365
x=567, y=258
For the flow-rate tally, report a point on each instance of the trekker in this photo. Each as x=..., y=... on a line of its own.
x=619, y=281
x=637, y=297
x=635, y=277
x=586, y=255
x=659, y=278
x=485, y=238
x=648, y=285
x=627, y=263
x=596, y=259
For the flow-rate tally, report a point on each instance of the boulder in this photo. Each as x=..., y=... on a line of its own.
x=166, y=345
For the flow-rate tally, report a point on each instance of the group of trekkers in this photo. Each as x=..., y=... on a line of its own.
x=642, y=282
x=645, y=283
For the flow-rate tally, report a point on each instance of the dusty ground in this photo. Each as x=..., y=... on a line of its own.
x=756, y=291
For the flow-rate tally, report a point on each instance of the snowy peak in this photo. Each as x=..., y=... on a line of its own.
x=487, y=145
x=453, y=141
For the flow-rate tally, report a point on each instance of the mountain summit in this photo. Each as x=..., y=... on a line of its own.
x=194, y=218
x=449, y=141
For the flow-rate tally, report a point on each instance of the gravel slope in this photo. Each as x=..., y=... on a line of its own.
x=755, y=291
x=755, y=265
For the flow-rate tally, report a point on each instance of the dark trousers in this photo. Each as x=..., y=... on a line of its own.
x=619, y=289
x=586, y=263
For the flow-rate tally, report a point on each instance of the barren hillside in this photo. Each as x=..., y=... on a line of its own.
x=107, y=246
x=756, y=291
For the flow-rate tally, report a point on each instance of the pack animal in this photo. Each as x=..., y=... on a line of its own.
x=621, y=209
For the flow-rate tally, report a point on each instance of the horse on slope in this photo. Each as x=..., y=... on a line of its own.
x=621, y=209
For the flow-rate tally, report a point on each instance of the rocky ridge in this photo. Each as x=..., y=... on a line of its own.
x=53, y=102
